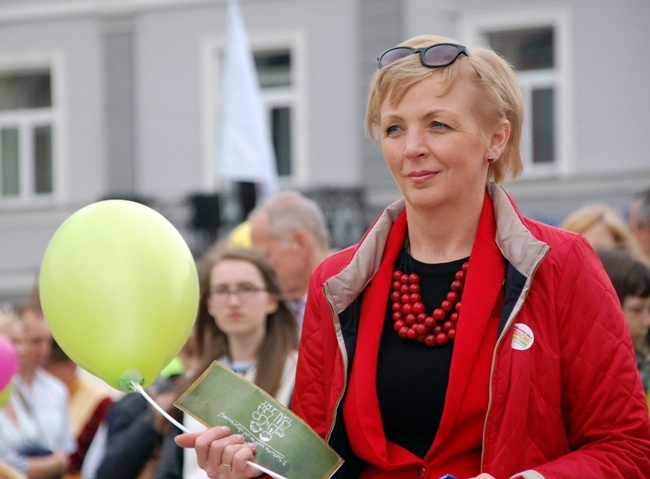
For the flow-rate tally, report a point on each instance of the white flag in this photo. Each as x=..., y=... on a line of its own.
x=245, y=147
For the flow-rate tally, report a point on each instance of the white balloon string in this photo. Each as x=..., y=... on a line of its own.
x=137, y=387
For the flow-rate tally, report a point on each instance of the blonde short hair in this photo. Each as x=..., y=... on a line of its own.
x=587, y=216
x=493, y=75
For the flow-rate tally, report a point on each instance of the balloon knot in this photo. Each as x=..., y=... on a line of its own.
x=128, y=377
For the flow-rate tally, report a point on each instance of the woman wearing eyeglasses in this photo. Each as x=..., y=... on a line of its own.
x=245, y=323
x=459, y=337
x=250, y=324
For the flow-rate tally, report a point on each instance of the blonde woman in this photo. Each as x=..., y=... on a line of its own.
x=458, y=336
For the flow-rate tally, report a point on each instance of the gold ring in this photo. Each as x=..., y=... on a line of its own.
x=225, y=465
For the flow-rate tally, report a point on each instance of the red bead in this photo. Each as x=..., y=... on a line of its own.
x=415, y=298
x=405, y=298
x=447, y=326
x=457, y=307
x=441, y=339
x=437, y=329
x=414, y=288
x=421, y=317
x=395, y=296
x=404, y=289
x=429, y=322
x=411, y=333
x=453, y=317
x=414, y=278
x=422, y=329
x=460, y=275
x=410, y=319
x=407, y=308
x=451, y=333
x=404, y=279
x=430, y=340
x=446, y=305
x=396, y=306
x=457, y=286
x=452, y=296
x=465, y=266
x=395, y=285
x=398, y=325
x=418, y=307
x=397, y=274
x=420, y=338
x=402, y=332
x=439, y=314
x=397, y=315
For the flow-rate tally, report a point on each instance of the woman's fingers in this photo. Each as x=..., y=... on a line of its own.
x=233, y=462
x=187, y=439
x=219, y=453
x=229, y=452
x=202, y=440
x=241, y=453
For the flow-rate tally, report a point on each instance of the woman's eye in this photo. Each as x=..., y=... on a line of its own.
x=390, y=130
x=438, y=125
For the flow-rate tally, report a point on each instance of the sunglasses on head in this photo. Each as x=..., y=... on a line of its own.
x=435, y=56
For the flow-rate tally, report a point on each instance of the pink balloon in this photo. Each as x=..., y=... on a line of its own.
x=8, y=361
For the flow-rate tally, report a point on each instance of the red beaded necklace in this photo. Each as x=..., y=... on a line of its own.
x=409, y=318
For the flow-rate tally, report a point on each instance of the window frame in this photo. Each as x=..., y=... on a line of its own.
x=474, y=28
x=291, y=96
x=27, y=120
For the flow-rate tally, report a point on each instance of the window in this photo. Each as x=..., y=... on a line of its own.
x=531, y=52
x=535, y=42
x=274, y=72
x=26, y=134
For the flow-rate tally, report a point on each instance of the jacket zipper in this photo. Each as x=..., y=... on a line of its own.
x=345, y=375
x=494, y=360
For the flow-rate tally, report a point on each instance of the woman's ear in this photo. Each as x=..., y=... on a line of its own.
x=499, y=138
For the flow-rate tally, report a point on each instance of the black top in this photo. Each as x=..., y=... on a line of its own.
x=412, y=378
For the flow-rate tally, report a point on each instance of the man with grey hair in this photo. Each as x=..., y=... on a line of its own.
x=291, y=231
x=640, y=220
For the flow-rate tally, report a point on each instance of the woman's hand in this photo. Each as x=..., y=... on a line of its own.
x=220, y=454
x=483, y=476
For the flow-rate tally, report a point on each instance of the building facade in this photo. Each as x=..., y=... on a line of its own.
x=120, y=98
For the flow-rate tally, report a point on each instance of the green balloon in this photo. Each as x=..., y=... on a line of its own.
x=120, y=291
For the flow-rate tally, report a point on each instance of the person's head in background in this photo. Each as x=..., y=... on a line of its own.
x=640, y=220
x=37, y=339
x=604, y=227
x=631, y=279
x=243, y=314
x=291, y=232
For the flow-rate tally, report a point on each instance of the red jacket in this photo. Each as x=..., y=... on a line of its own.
x=565, y=396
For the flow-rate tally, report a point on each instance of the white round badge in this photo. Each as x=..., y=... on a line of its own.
x=522, y=337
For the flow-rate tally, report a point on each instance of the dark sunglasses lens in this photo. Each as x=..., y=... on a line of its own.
x=440, y=55
x=393, y=55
